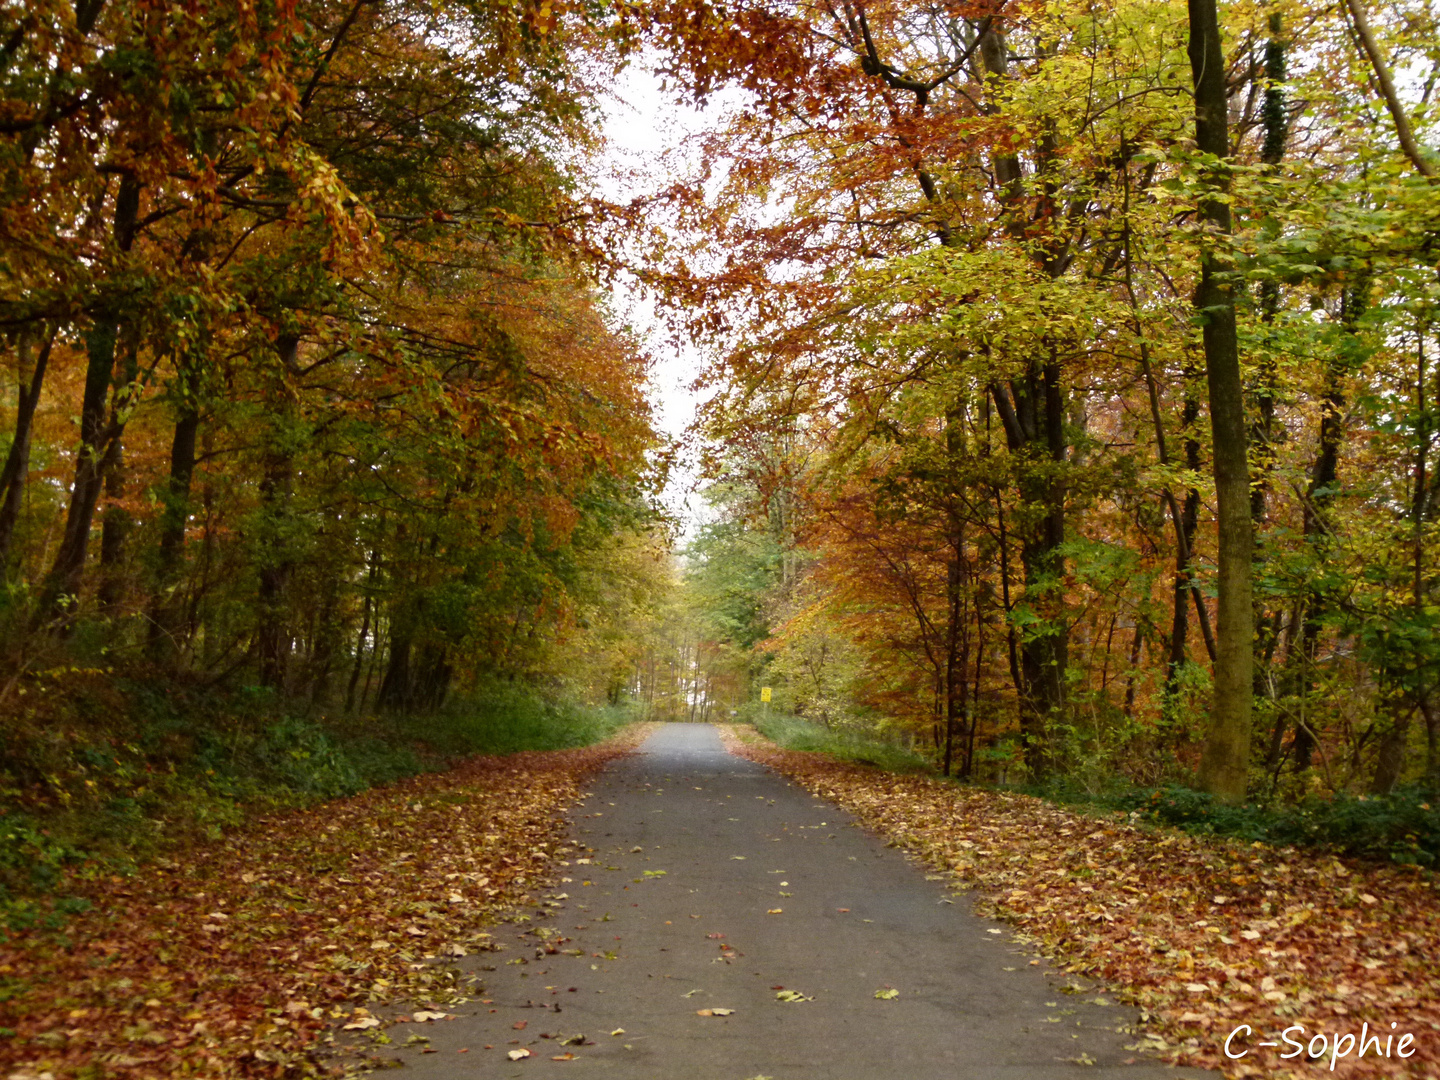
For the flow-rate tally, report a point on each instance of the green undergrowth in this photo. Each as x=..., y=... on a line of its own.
x=102, y=773
x=793, y=733
x=1403, y=827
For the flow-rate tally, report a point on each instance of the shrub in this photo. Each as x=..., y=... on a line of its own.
x=1401, y=827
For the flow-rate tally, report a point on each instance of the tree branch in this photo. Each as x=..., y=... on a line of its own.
x=1412, y=149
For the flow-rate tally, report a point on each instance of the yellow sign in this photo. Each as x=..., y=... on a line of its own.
x=764, y=693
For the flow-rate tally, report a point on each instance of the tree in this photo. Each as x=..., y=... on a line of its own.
x=1225, y=764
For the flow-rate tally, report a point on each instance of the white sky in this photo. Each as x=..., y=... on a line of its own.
x=646, y=131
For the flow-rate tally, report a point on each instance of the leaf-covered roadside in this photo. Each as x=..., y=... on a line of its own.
x=240, y=960
x=1202, y=934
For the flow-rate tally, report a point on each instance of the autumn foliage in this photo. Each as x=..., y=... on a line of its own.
x=314, y=390
x=960, y=379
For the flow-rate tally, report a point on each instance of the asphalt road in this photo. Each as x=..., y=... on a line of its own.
x=715, y=884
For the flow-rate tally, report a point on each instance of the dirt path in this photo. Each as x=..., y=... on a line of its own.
x=714, y=884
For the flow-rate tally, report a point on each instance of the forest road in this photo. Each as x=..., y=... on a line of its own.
x=716, y=884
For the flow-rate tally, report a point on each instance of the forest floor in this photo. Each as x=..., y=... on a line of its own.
x=242, y=957
x=1203, y=935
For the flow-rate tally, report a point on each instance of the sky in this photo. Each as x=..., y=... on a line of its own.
x=645, y=131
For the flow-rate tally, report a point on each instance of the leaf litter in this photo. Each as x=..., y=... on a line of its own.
x=245, y=957
x=1202, y=934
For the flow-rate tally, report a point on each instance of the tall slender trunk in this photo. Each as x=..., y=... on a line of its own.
x=364, y=630
x=29, y=381
x=1032, y=412
x=1432, y=745
x=1419, y=511
x=324, y=642
x=957, y=641
x=1390, y=760
x=1225, y=761
x=378, y=649
x=115, y=522
x=1277, y=134
x=63, y=582
x=395, y=687
x=275, y=558
x=1135, y=642
x=968, y=769
x=1184, y=523
x=957, y=661
x=1017, y=680
x=115, y=525
x=165, y=607
x=1187, y=519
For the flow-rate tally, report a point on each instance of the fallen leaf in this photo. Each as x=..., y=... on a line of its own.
x=888, y=994
x=519, y=1025
x=714, y=1012
x=618, y=1031
x=361, y=1024
x=792, y=996
x=562, y=1057
x=518, y=1055
x=775, y=911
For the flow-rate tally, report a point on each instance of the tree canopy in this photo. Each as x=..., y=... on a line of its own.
x=1073, y=369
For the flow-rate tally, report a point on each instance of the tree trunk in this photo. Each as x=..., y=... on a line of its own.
x=115, y=522
x=1031, y=410
x=1432, y=746
x=395, y=687
x=1390, y=761
x=274, y=556
x=62, y=584
x=1277, y=134
x=1225, y=761
x=29, y=382
x=115, y=526
x=364, y=631
x=165, y=608
x=1186, y=520
x=956, y=663
x=323, y=644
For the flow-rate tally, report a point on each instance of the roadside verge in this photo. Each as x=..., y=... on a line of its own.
x=242, y=958
x=1205, y=935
